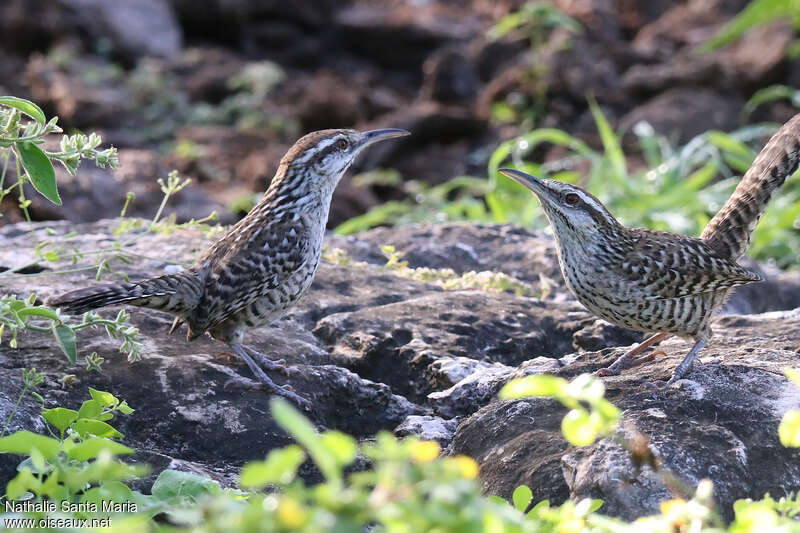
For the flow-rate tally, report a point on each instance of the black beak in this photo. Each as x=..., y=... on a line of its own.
x=523, y=178
x=374, y=136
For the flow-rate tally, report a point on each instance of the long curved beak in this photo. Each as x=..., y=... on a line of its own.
x=523, y=178
x=370, y=137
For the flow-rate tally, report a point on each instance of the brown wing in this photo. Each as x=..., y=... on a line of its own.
x=668, y=266
x=250, y=261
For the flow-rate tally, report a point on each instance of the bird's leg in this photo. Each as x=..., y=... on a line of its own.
x=271, y=386
x=686, y=364
x=629, y=358
x=265, y=362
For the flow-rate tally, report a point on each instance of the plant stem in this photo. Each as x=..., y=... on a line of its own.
x=13, y=412
x=20, y=184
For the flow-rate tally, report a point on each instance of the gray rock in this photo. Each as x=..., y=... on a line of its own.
x=375, y=351
x=428, y=428
x=134, y=28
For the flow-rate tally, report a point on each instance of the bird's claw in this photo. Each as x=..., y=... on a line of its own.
x=657, y=384
x=605, y=372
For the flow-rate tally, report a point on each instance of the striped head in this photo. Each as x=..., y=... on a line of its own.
x=318, y=160
x=574, y=214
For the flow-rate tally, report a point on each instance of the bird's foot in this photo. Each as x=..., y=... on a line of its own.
x=247, y=354
x=271, y=387
x=629, y=359
x=224, y=355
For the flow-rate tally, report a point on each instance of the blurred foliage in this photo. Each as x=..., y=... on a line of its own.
x=385, y=485
x=756, y=13
x=446, y=278
x=674, y=188
x=533, y=23
x=770, y=94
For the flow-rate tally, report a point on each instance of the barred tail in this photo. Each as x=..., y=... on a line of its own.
x=175, y=293
x=730, y=231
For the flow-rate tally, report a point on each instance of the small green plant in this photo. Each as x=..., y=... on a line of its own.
x=17, y=315
x=590, y=415
x=678, y=189
x=77, y=464
x=756, y=13
x=23, y=129
x=789, y=428
x=771, y=94
x=533, y=22
x=30, y=380
x=446, y=278
x=457, y=199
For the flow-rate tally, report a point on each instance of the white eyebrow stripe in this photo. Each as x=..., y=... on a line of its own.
x=320, y=146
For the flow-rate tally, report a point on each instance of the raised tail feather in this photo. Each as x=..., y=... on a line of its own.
x=731, y=229
x=175, y=293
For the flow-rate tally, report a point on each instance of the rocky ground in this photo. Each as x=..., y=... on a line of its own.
x=376, y=351
x=220, y=89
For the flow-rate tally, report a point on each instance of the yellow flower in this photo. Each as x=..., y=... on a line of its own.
x=571, y=525
x=466, y=466
x=425, y=451
x=290, y=513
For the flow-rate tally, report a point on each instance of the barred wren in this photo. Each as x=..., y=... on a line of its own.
x=657, y=281
x=262, y=265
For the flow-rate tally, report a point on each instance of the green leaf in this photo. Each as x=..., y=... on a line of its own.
x=88, y=426
x=91, y=448
x=793, y=374
x=298, y=426
x=611, y=144
x=579, y=428
x=342, y=446
x=789, y=429
x=587, y=506
x=106, y=399
x=90, y=409
x=40, y=170
x=26, y=106
x=522, y=497
x=586, y=387
x=21, y=483
x=60, y=417
x=25, y=441
x=43, y=312
x=109, y=491
x=125, y=409
x=540, y=385
x=178, y=487
x=280, y=467
x=756, y=13
x=65, y=338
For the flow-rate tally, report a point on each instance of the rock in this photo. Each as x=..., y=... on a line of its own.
x=78, y=101
x=134, y=29
x=716, y=424
x=100, y=193
x=450, y=76
x=428, y=428
x=701, y=110
x=380, y=31
x=373, y=351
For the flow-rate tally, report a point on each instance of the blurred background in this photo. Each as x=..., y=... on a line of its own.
x=656, y=106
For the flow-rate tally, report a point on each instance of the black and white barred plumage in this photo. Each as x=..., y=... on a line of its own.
x=264, y=263
x=657, y=281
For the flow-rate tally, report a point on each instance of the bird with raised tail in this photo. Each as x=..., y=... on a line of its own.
x=659, y=282
x=262, y=266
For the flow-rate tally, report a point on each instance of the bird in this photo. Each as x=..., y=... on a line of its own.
x=654, y=281
x=261, y=266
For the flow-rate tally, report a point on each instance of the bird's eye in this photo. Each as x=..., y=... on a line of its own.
x=342, y=144
x=571, y=199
